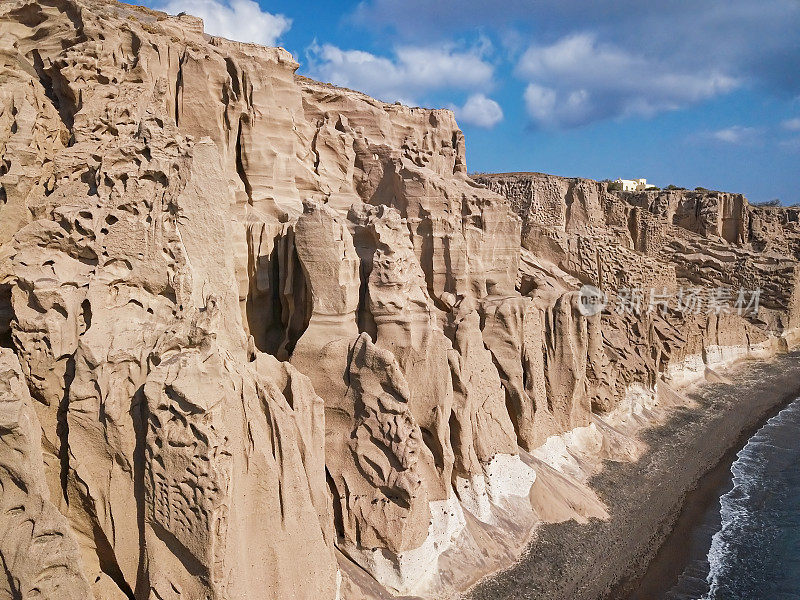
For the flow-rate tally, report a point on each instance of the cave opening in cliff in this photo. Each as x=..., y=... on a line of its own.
x=295, y=303
x=365, y=247
x=263, y=307
x=278, y=307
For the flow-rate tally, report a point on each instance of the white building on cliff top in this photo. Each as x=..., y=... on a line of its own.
x=633, y=185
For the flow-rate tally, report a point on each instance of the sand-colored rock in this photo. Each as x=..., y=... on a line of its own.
x=39, y=551
x=263, y=337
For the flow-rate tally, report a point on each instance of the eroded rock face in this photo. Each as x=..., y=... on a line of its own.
x=248, y=319
x=575, y=231
x=40, y=553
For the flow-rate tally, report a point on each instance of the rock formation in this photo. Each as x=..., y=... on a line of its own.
x=255, y=329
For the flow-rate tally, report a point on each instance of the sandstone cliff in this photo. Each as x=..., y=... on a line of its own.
x=256, y=330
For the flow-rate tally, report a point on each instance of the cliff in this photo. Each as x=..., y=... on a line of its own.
x=256, y=330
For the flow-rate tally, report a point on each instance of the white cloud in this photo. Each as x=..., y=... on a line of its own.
x=548, y=106
x=758, y=42
x=480, y=111
x=733, y=135
x=791, y=124
x=540, y=101
x=736, y=135
x=240, y=20
x=578, y=80
x=412, y=71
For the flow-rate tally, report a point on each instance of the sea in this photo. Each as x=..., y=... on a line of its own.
x=752, y=534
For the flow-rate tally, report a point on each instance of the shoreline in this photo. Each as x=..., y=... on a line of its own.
x=674, y=555
x=637, y=553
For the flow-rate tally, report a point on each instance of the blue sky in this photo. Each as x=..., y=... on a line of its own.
x=700, y=93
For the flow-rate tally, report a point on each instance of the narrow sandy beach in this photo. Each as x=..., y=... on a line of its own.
x=654, y=503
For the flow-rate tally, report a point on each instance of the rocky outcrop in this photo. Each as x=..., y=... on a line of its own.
x=257, y=329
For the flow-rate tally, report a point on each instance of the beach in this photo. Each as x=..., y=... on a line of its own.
x=656, y=503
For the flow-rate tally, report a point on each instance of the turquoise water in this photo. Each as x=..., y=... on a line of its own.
x=754, y=552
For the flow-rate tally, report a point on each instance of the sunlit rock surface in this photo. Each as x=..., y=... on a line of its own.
x=256, y=330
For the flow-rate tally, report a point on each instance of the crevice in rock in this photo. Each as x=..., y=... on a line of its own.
x=240, y=170
x=108, y=560
x=546, y=367
x=314, y=150
x=6, y=316
x=62, y=427
x=6, y=340
x=633, y=228
x=569, y=199
x=454, y=428
x=178, y=90
x=12, y=586
x=336, y=503
x=235, y=85
x=265, y=318
x=136, y=45
x=140, y=417
x=512, y=407
x=275, y=333
x=432, y=442
x=425, y=231
x=296, y=304
x=366, y=321
x=56, y=88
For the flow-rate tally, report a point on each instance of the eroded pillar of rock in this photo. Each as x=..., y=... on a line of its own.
x=39, y=554
x=228, y=505
x=504, y=335
x=566, y=349
x=330, y=268
x=402, y=314
x=388, y=523
x=487, y=467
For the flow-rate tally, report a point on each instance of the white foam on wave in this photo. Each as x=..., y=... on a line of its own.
x=735, y=508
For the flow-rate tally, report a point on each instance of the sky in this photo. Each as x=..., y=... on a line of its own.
x=691, y=93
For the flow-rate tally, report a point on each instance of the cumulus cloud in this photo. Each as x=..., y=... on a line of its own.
x=409, y=73
x=758, y=42
x=480, y=111
x=240, y=20
x=791, y=124
x=577, y=80
x=540, y=102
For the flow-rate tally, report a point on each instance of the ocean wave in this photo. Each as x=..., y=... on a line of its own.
x=756, y=515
